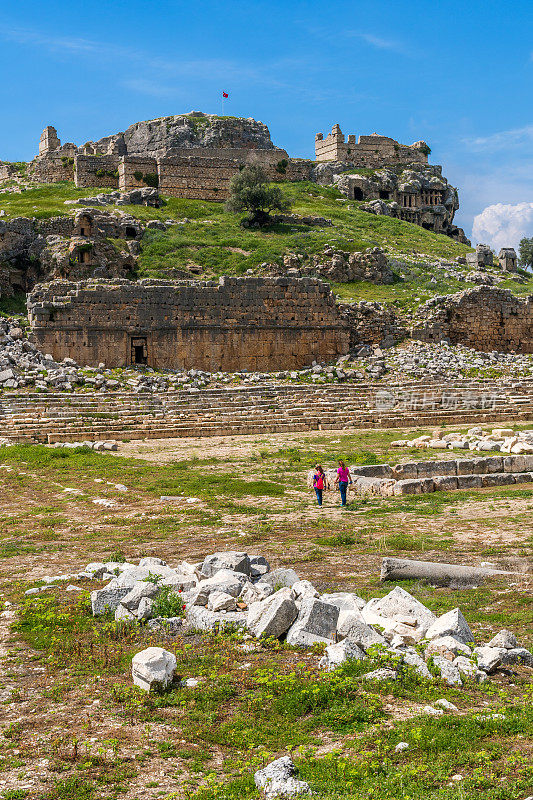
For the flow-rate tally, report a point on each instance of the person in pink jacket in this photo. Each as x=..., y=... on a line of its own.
x=342, y=480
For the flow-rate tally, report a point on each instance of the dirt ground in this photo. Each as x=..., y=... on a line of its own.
x=52, y=525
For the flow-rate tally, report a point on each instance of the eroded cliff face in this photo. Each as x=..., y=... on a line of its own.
x=167, y=136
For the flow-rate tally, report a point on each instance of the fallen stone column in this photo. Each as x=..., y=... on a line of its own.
x=396, y=569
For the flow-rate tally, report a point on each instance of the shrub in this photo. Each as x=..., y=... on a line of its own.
x=151, y=179
x=168, y=604
x=250, y=192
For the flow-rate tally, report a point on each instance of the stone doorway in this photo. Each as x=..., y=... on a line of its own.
x=139, y=350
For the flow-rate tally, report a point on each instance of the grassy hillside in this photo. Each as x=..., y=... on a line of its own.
x=210, y=241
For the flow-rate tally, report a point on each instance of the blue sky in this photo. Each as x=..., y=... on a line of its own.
x=457, y=74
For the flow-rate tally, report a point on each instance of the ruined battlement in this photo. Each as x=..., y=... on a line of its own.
x=230, y=324
x=370, y=151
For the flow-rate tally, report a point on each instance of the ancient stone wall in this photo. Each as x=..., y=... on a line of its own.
x=485, y=318
x=52, y=167
x=7, y=171
x=368, y=151
x=373, y=323
x=232, y=324
x=96, y=171
x=196, y=178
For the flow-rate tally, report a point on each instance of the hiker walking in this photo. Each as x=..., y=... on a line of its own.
x=319, y=480
x=342, y=480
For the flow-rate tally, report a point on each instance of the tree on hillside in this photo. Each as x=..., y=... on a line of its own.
x=250, y=191
x=525, y=252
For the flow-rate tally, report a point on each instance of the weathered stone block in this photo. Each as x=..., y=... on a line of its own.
x=153, y=668
x=416, y=486
x=452, y=623
x=469, y=482
x=273, y=616
x=445, y=483
x=497, y=479
x=316, y=622
x=232, y=560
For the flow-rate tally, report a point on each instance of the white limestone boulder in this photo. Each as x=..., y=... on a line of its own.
x=447, y=646
x=281, y=578
x=137, y=592
x=453, y=624
x=316, y=622
x=448, y=671
x=202, y=619
x=153, y=669
x=364, y=636
x=517, y=655
x=397, y=603
x=505, y=639
x=233, y=560
x=273, y=616
x=489, y=658
x=337, y=654
x=278, y=780
x=221, y=601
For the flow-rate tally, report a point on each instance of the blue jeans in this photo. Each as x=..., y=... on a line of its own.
x=318, y=493
x=343, y=488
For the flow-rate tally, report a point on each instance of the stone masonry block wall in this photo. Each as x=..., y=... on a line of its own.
x=194, y=177
x=52, y=168
x=232, y=324
x=485, y=318
x=96, y=171
x=127, y=179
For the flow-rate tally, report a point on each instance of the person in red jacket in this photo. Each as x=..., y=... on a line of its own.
x=319, y=483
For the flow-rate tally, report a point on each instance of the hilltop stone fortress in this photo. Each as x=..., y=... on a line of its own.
x=191, y=155
x=195, y=156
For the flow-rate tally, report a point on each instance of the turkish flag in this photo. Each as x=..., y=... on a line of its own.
x=224, y=94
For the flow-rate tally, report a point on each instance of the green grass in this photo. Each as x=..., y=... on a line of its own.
x=47, y=200
x=213, y=240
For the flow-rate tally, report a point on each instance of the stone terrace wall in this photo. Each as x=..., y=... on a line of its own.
x=96, y=171
x=134, y=164
x=232, y=324
x=485, y=318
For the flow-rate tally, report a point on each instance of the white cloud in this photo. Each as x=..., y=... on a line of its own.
x=515, y=137
x=503, y=225
x=378, y=41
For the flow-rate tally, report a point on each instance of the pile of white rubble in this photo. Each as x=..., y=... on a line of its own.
x=239, y=590
x=503, y=440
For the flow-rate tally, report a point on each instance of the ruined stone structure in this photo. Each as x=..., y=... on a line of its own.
x=485, y=318
x=508, y=259
x=483, y=257
x=195, y=156
x=192, y=155
x=72, y=247
x=49, y=140
x=417, y=194
x=373, y=323
x=231, y=324
x=368, y=151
